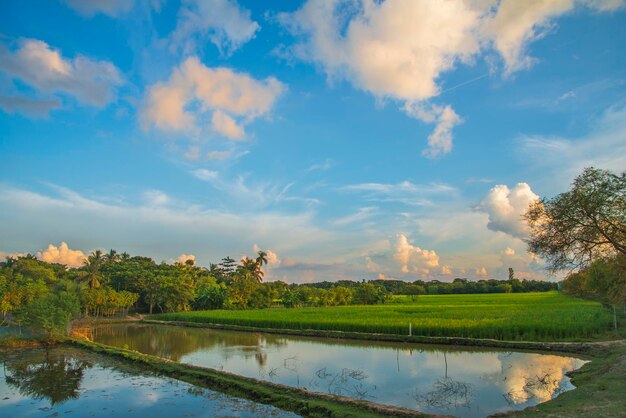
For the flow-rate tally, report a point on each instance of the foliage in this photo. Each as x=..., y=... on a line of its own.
x=585, y=224
x=525, y=316
x=604, y=279
x=369, y=294
x=50, y=314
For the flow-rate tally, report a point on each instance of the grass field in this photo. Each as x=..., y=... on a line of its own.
x=548, y=316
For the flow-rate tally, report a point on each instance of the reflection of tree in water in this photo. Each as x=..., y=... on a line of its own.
x=447, y=393
x=347, y=382
x=45, y=375
x=175, y=342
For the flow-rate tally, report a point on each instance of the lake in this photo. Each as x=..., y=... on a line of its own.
x=70, y=382
x=456, y=381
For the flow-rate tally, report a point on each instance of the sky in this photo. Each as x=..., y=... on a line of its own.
x=349, y=139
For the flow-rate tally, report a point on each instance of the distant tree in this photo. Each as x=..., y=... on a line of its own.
x=92, y=268
x=369, y=294
x=50, y=314
x=582, y=225
x=511, y=273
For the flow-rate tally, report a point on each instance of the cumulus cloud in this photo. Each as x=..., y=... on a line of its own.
x=515, y=24
x=232, y=99
x=413, y=259
x=506, y=208
x=222, y=22
x=481, y=272
x=399, y=49
x=446, y=270
x=112, y=8
x=183, y=258
x=392, y=49
x=62, y=255
x=37, y=64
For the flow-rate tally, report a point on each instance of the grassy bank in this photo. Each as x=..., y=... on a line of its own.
x=548, y=316
x=285, y=397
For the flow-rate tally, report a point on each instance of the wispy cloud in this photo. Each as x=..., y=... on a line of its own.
x=362, y=214
x=404, y=192
x=140, y=227
x=224, y=23
x=561, y=159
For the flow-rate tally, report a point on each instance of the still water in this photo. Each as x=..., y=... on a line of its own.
x=434, y=379
x=71, y=382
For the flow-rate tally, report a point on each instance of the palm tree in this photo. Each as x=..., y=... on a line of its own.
x=111, y=257
x=251, y=267
x=92, y=268
x=260, y=261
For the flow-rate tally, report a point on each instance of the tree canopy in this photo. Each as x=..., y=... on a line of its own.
x=582, y=225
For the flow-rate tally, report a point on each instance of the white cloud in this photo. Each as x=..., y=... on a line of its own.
x=185, y=257
x=440, y=141
x=399, y=49
x=62, y=255
x=112, y=8
x=515, y=24
x=506, y=208
x=391, y=49
x=394, y=49
x=35, y=63
x=218, y=155
x=508, y=251
x=404, y=192
x=112, y=223
x=481, y=272
x=233, y=99
x=225, y=125
x=272, y=257
x=361, y=215
x=562, y=159
x=413, y=259
x=222, y=22
x=156, y=197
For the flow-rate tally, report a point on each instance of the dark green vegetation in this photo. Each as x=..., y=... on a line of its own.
x=531, y=316
x=46, y=296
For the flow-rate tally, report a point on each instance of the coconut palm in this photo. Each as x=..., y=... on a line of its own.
x=92, y=268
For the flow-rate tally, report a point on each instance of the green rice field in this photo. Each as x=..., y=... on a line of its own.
x=548, y=316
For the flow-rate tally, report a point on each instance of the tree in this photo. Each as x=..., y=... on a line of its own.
x=92, y=269
x=577, y=227
x=51, y=314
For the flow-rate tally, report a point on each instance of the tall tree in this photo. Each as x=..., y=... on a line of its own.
x=586, y=223
x=92, y=269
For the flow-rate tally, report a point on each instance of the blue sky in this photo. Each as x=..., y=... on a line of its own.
x=349, y=139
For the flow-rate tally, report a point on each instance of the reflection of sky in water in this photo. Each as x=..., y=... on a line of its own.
x=106, y=391
x=446, y=380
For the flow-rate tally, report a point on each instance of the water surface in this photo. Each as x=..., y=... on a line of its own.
x=435, y=379
x=71, y=382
